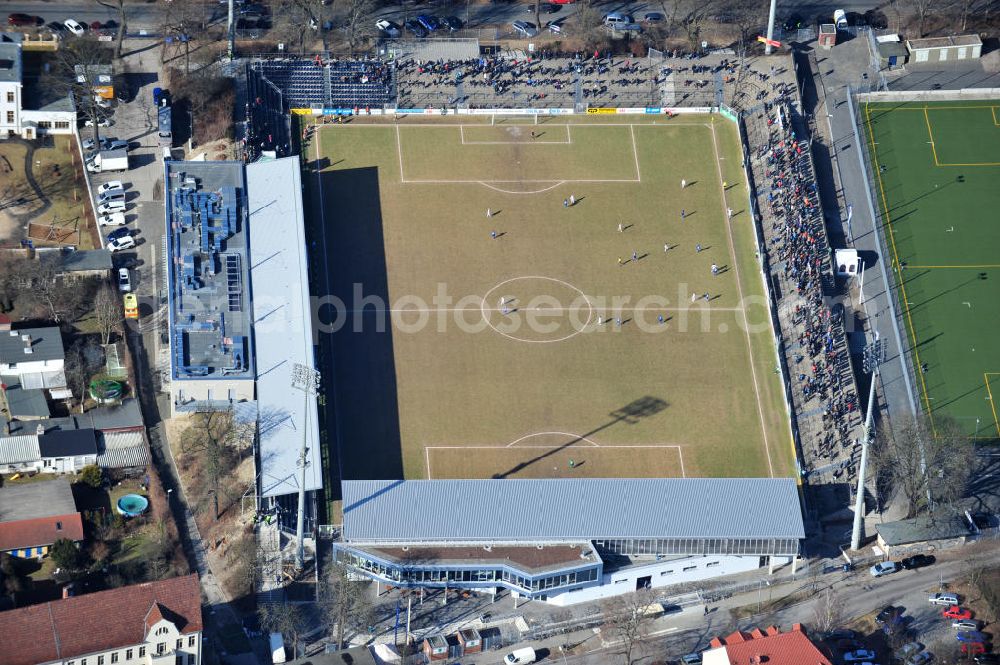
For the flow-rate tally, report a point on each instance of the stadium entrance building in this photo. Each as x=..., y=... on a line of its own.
x=566, y=541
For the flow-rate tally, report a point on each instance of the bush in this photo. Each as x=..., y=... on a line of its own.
x=65, y=554
x=92, y=475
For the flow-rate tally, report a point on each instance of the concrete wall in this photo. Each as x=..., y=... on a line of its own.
x=929, y=95
x=182, y=392
x=661, y=573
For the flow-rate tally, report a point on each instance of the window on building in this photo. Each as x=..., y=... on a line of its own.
x=83, y=661
x=44, y=124
x=191, y=640
x=162, y=630
x=114, y=656
x=62, y=124
x=180, y=643
x=687, y=568
x=161, y=648
x=10, y=117
x=190, y=659
x=100, y=660
x=128, y=654
x=10, y=97
x=142, y=652
x=179, y=659
x=58, y=526
x=713, y=563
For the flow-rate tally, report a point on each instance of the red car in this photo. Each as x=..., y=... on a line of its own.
x=973, y=648
x=956, y=612
x=22, y=19
x=562, y=2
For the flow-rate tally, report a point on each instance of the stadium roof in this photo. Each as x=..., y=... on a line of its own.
x=282, y=325
x=574, y=509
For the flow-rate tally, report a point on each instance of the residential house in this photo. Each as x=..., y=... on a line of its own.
x=32, y=517
x=769, y=646
x=28, y=109
x=67, y=451
x=32, y=361
x=157, y=623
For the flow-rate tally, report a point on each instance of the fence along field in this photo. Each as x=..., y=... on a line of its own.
x=503, y=354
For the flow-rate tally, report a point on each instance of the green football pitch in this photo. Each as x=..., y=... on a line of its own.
x=937, y=167
x=480, y=325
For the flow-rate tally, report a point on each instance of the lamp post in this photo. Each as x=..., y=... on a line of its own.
x=871, y=359
x=306, y=379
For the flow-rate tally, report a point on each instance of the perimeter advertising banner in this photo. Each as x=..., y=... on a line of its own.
x=601, y=111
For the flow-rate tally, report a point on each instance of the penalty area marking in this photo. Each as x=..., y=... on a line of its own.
x=428, y=449
x=533, y=141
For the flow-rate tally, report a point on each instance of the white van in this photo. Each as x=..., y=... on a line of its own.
x=520, y=656
x=840, y=19
x=616, y=20
x=277, y=648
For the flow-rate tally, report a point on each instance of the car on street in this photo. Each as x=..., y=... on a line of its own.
x=388, y=28
x=562, y=2
x=654, y=17
x=112, y=219
x=884, y=568
x=117, y=144
x=96, y=25
x=956, y=612
x=987, y=659
x=124, y=281
x=920, y=658
x=101, y=122
x=524, y=28
x=453, y=23
x=123, y=242
x=917, y=561
x=55, y=26
x=413, y=25
x=73, y=27
x=109, y=186
x=967, y=624
x=89, y=144
x=947, y=599
x=972, y=648
x=890, y=614
x=23, y=20
x=859, y=655
x=109, y=207
x=909, y=649
x=971, y=636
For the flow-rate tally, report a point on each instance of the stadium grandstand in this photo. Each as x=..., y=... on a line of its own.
x=566, y=541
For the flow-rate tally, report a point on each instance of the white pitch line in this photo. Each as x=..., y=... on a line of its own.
x=569, y=434
x=427, y=456
x=739, y=286
x=399, y=151
x=554, y=310
x=510, y=191
x=635, y=153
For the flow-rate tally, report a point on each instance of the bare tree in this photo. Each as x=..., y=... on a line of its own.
x=108, y=312
x=212, y=435
x=76, y=66
x=286, y=618
x=923, y=461
x=828, y=611
x=360, y=23
x=689, y=16
x=624, y=617
x=346, y=603
x=922, y=9
x=587, y=24
x=118, y=6
x=82, y=361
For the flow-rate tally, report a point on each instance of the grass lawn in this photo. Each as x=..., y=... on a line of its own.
x=63, y=201
x=432, y=376
x=937, y=168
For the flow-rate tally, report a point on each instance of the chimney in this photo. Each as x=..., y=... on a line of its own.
x=4, y=322
x=40, y=430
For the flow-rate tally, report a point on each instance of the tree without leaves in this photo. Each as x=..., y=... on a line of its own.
x=108, y=312
x=918, y=460
x=828, y=611
x=90, y=56
x=217, y=437
x=360, y=19
x=587, y=24
x=922, y=9
x=346, y=604
x=119, y=6
x=81, y=363
x=286, y=618
x=624, y=617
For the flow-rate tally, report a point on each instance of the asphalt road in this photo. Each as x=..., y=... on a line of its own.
x=147, y=15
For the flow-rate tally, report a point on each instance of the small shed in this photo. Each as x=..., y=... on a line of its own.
x=920, y=534
x=945, y=49
x=827, y=35
x=435, y=647
x=891, y=51
x=470, y=640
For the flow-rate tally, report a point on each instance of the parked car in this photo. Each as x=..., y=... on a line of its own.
x=73, y=27
x=23, y=20
x=110, y=25
x=429, y=23
x=413, y=25
x=110, y=186
x=524, y=28
x=654, y=17
x=987, y=659
x=55, y=26
x=101, y=122
x=967, y=624
x=948, y=599
x=117, y=144
x=920, y=658
x=388, y=28
x=89, y=144
x=884, y=568
x=96, y=25
x=118, y=244
x=860, y=654
x=109, y=207
x=973, y=648
x=909, y=649
x=124, y=281
x=890, y=614
x=112, y=219
x=917, y=561
x=971, y=636
x=956, y=612
x=453, y=23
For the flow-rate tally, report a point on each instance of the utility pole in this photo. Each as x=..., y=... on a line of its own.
x=231, y=31
x=770, y=26
x=871, y=359
x=306, y=379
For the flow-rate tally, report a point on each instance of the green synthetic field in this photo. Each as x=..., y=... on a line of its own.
x=937, y=167
x=455, y=386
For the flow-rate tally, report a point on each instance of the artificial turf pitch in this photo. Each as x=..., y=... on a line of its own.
x=937, y=170
x=455, y=386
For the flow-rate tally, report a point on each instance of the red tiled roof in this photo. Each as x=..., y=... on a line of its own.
x=97, y=621
x=40, y=531
x=772, y=647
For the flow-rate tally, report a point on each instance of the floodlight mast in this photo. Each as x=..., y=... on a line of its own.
x=872, y=359
x=770, y=26
x=306, y=379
